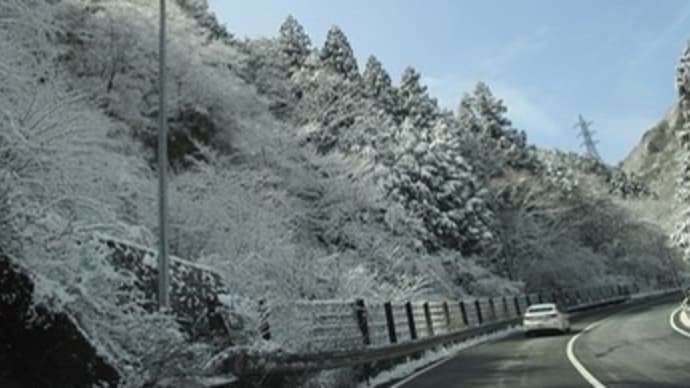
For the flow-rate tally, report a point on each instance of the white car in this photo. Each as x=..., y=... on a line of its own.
x=543, y=317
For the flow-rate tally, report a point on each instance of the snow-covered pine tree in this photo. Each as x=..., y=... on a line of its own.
x=466, y=114
x=415, y=103
x=437, y=185
x=338, y=108
x=337, y=54
x=294, y=43
x=484, y=115
x=330, y=105
x=378, y=85
x=491, y=112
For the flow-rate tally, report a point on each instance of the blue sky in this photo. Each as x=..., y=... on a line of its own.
x=613, y=61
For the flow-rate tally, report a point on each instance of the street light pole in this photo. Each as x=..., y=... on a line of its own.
x=163, y=263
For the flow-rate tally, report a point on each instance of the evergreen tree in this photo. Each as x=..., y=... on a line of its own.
x=294, y=43
x=331, y=105
x=437, y=185
x=466, y=114
x=415, y=103
x=338, y=56
x=491, y=112
x=485, y=116
x=378, y=85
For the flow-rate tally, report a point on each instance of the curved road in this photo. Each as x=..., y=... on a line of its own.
x=629, y=346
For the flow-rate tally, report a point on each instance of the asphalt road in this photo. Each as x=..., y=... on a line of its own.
x=629, y=346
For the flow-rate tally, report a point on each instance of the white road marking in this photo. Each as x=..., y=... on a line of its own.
x=577, y=364
x=674, y=326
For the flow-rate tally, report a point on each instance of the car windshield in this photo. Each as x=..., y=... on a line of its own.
x=543, y=309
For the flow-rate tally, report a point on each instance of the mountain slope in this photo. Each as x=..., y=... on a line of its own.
x=656, y=160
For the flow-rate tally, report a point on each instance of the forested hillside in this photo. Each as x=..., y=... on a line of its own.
x=293, y=172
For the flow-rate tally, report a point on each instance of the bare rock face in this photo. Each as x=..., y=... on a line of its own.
x=654, y=159
x=657, y=156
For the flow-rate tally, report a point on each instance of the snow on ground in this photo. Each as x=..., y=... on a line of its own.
x=403, y=370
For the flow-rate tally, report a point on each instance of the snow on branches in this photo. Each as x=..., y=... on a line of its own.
x=484, y=115
x=433, y=182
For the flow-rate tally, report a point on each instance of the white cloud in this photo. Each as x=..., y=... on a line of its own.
x=526, y=110
x=515, y=49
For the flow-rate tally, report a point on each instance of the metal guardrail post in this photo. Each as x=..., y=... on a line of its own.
x=505, y=307
x=516, y=302
x=410, y=320
x=361, y=312
x=527, y=299
x=539, y=298
x=390, y=322
x=446, y=312
x=463, y=312
x=492, y=310
x=264, y=327
x=429, y=322
x=478, y=307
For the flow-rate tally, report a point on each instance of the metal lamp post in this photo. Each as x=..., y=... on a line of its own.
x=163, y=262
